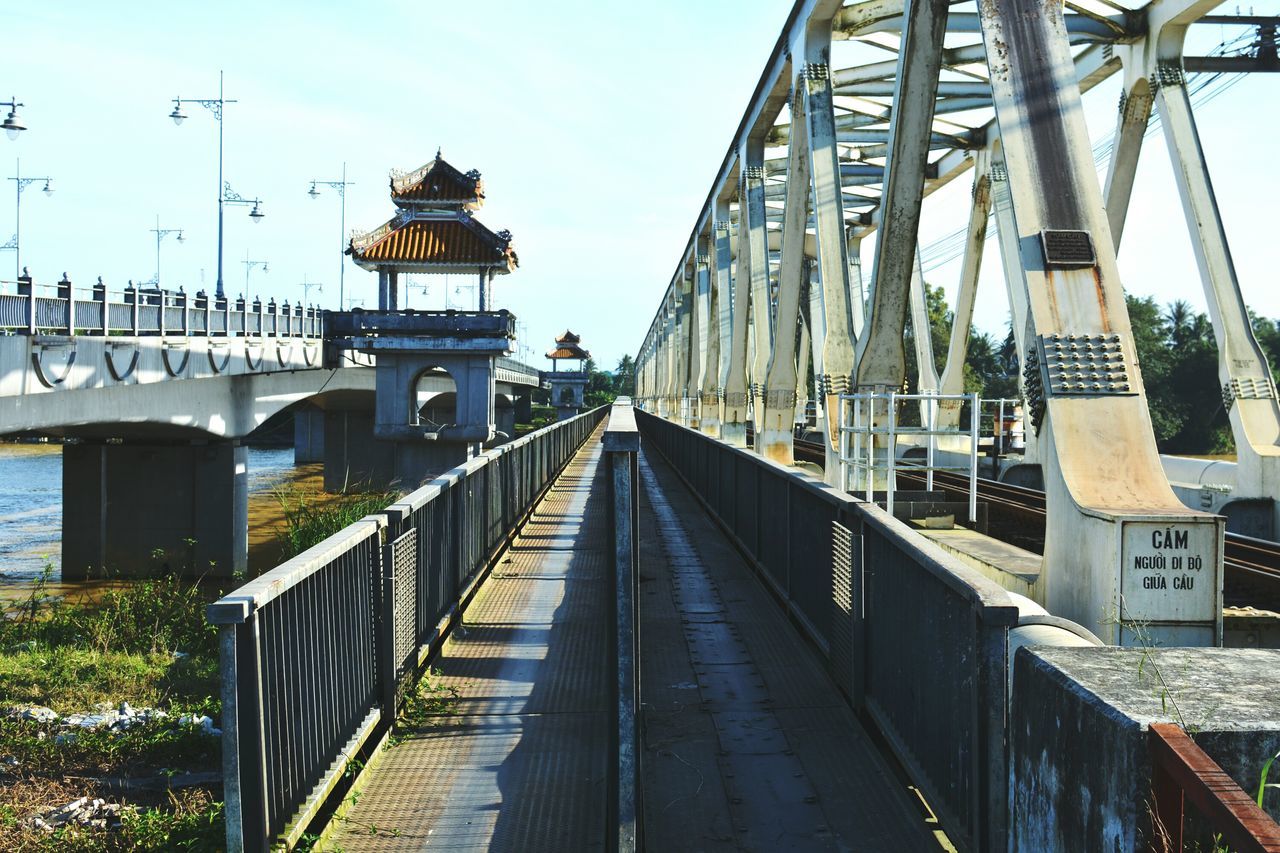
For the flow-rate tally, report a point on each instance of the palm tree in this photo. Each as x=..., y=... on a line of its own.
x=1179, y=318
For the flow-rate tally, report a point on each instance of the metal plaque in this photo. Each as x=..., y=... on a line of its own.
x=1064, y=248
x=1084, y=365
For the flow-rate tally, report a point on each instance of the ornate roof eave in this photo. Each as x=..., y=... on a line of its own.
x=500, y=267
x=404, y=182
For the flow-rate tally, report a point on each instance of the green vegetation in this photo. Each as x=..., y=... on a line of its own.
x=310, y=518
x=430, y=698
x=1176, y=351
x=146, y=644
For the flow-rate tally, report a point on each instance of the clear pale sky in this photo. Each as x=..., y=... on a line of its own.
x=597, y=128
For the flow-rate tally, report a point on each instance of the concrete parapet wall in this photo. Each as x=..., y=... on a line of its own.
x=1080, y=775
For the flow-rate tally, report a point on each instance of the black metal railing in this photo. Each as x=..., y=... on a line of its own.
x=316, y=653
x=913, y=637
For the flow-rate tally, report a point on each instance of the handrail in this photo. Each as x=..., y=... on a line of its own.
x=903, y=625
x=1181, y=769
x=621, y=450
x=317, y=654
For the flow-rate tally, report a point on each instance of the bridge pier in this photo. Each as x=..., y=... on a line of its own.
x=308, y=435
x=355, y=459
x=143, y=509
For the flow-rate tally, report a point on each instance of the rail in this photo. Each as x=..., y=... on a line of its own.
x=912, y=636
x=1180, y=771
x=317, y=653
x=861, y=436
x=142, y=311
x=622, y=447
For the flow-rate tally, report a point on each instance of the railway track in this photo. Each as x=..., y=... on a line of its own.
x=1016, y=514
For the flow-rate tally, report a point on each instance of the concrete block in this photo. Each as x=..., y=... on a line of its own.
x=1080, y=776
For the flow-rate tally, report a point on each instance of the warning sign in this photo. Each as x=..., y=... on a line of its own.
x=1170, y=572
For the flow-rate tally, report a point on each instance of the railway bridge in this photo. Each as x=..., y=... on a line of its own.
x=714, y=617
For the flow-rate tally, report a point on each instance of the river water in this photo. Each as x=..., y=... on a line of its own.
x=31, y=507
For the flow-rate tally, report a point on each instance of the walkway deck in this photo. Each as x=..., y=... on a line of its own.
x=748, y=746
x=520, y=764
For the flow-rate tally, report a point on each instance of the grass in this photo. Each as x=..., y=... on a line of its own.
x=146, y=643
x=310, y=520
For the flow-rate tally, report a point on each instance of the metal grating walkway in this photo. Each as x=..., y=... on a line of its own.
x=520, y=764
x=748, y=745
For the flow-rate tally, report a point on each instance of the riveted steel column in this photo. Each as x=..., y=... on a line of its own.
x=720, y=346
x=1109, y=507
x=756, y=254
x=734, y=429
x=1131, y=126
x=975, y=240
x=881, y=362
x=922, y=332
x=775, y=430
x=1015, y=282
x=700, y=323
x=817, y=325
x=1248, y=388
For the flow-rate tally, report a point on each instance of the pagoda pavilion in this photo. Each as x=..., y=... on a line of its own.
x=434, y=231
x=568, y=387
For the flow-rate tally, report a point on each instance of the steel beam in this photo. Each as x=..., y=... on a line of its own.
x=975, y=241
x=880, y=354
x=1106, y=494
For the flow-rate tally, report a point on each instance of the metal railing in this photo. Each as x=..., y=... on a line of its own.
x=316, y=653
x=60, y=309
x=1006, y=417
x=1181, y=770
x=621, y=449
x=868, y=446
x=912, y=636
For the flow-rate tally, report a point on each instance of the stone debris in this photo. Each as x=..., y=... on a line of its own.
x=33, y=713
x=95, y=814
x=116, y=718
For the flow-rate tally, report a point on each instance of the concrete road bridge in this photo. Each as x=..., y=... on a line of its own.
x=160, y=390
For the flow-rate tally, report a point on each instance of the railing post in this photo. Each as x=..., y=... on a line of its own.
x=621, y=446
x=133, y=292
x=100, y=296
x=64, y=292
x=162, y=311
x=185, y=301
x=27, y=289
x=273, y=311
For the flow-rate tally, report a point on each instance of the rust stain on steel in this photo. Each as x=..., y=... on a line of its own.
x=1102, y=298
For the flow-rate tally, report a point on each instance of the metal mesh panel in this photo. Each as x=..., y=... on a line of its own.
x=840, y=638
x=401, y=567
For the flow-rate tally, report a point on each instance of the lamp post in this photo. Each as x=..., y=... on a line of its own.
x=248, y=266
x=161, y=233
x=306, y=289
x=12, y=124
x=341, y=187
x=225, y=196
x=20, y=184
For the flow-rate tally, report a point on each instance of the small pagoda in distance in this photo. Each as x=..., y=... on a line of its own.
x=568, y=387
x=434, y=231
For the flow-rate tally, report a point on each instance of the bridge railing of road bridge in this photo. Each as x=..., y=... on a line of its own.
x=317, y=653
x=29, y=308
x=914, y=638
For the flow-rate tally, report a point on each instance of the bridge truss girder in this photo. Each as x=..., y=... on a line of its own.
x=828, y=153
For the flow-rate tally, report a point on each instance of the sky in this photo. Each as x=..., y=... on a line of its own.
x=597, y=128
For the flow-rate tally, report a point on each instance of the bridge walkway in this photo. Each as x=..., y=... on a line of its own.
x=748, y=743
x=517, y=759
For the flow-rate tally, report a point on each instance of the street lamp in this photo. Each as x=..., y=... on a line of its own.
x=215, y=105
x=248, y=266
x=161, y=233
x=341, y=187
x=12, y=124
x=306, y=289
x=22, y=183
